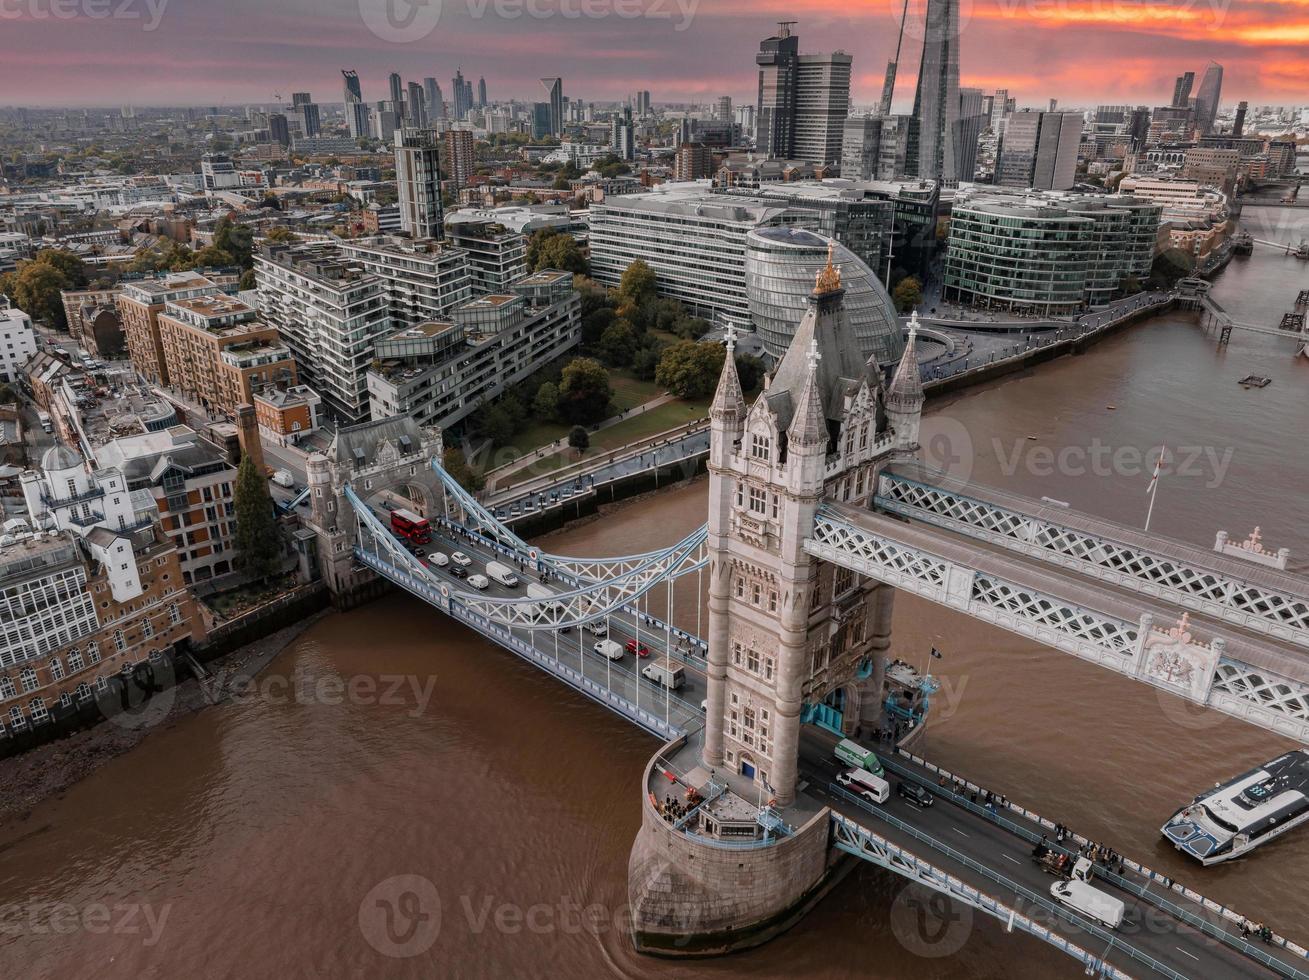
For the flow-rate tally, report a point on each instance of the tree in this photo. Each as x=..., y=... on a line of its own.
x=646, y=363
x=908, y=293
x=637, y=287
x=550, y=248
x=498, y=426
x=36, y=291
x=258, y=541
x=579, y=439
x=212, y=257
x=545, y=406
x=690, y=369
x=584, y=391
x=454, y=462
x=247, y=280
x=66, y=262
x=750, y=371
x=282, y=235
x=618, y=343
x=594, y=324
x=237, y=240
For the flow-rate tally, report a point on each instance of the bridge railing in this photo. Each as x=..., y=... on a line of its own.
x=1143, y=892
x=1021, y=891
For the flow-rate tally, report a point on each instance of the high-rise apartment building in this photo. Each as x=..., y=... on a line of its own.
x=695, y=161
x=458, y=156
x=554, y=89
x=278, y=131
x=139, y=306
x=434, y=99
x=303, y=107
x=397, y=89
x=936, y=99
x=418, y=182
x=622, y=135
x=1238, y=124
x=723, y=109
x=415, y=108
x=356, y=111
x=803, y=100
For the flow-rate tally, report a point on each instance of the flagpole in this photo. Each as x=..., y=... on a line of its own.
x=1154, y=487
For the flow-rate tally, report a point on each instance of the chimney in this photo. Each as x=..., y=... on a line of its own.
x=247, y=434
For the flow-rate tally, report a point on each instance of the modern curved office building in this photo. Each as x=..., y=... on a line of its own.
x=780, y=265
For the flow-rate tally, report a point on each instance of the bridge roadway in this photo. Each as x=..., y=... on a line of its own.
x=575, y=647
x=945, y=831
x=936, y=833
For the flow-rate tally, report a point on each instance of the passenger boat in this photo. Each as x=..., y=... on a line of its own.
x=1244, y=812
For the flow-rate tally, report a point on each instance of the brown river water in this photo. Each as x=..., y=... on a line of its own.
x=247, y=840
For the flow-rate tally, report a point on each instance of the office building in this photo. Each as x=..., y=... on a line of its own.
x=554, y=91
x=803, y=100
x=418, y=182
x=481, y=93
x=936, y=99
x=1182, y=90
x=437, y=372
x=356, y=111
x=969, y=125
x=780, y=266
x=641, y=104
x=278, y=131
x=459, y=159
x=1040, y=150
x=17, y=340
x=218, y=353
x=540, y=120
x=303, y=106
x=397, y=89
x=1047, y=254
x=1206, y=100
x=1213, y=166
x=1001, y=106
x=386, y=123
x=723, y=109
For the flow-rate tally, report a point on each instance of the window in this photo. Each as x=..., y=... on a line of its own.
x=772, y=600
x=120, y=641
x=752, y=660
x=736, y=653
x=7, y=687
x=769, y=664
x=740, y=495
x=756, y=593
x=174, y=614
x=38, y=709
x=101, y=683
x=56, y=669
x=93, y=652
x=27, y=676
x=760, y=447
x=16, y=717
x=758, y=501
x=740, y=587
x=147, y=628
x=84, y=691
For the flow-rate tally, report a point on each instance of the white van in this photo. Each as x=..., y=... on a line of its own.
x=670, y=677
x=478, y=581
x=610, y=649
x=502, y=574
x=598, y=627
x=872, y=788
x=1091, y=902
x=283, y=478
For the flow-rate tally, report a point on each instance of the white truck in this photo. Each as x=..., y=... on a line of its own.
x=609, y=649
x=872, y=788
x=283, y=478
x=1090, y=901
x=502, y=574
x=665, y=675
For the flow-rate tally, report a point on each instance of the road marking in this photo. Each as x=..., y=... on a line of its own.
x=958, y=831
x=1192, y=955
x=1008, y=858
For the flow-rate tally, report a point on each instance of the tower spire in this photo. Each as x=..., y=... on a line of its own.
x=729, y=399
x=809, y=426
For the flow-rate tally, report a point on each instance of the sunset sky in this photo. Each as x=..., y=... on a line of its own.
x=230, y=52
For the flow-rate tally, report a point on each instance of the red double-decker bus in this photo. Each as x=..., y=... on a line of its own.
x=409, y=525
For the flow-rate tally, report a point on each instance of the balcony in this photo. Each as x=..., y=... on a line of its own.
x=88, y=520
x=54, y=503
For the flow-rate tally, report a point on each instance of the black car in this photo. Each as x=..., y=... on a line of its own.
x=915, y=794
x=457, y=571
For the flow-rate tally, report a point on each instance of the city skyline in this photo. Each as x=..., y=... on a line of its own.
x=1080, y=51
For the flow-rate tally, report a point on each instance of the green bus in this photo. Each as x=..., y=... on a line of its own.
x=854, y=754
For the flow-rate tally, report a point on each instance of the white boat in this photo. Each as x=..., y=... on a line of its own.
x=1245, y=812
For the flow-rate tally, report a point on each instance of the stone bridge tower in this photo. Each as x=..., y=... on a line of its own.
x=790, y=637
x=388, y=456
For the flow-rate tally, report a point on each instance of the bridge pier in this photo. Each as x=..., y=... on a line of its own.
x=692, y=896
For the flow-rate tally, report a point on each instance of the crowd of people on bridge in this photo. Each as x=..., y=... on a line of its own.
x=1256, y=930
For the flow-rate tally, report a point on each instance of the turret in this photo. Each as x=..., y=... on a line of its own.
x=904, y=399
x=727, y=412
x=806, y=437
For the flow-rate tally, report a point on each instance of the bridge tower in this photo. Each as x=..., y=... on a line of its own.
x=790, y=638
x=388, y=455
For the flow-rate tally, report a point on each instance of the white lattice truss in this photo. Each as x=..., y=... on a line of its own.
x=1081, y=631
x=1273, y=613
x=591, y=601
x=476, y=517
x=1238, y=689
x=851, y=837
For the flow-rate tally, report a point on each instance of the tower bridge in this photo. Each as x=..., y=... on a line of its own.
x=818, y=513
